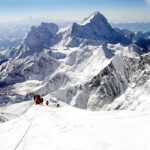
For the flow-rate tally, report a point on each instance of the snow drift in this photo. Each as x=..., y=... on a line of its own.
x=67, y=128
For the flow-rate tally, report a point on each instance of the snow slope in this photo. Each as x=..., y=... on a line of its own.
x=67, y=128
x=9, y=112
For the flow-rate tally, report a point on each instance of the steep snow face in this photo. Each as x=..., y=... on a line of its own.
x=36, y=67
x=97, y=76
x=37, y=39
x=48, y=127
x=94, y=27
x=100, y=87
x=95, y=30
x=92, y=71
x=134, y=98
x=137, y=94
x=42, y=36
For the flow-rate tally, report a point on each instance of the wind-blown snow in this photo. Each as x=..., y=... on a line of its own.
x=67, y=128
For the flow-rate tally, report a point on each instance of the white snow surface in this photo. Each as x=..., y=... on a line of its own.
x=10, y=111
x=88, y=19
x=67, y=128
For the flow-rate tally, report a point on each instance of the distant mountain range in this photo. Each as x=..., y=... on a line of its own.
x=143, y=27
x=13, y=33
x=20, y=28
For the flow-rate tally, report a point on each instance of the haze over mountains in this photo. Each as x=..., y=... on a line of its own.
x=88, y=64
x=13, y=33
x=137, y=26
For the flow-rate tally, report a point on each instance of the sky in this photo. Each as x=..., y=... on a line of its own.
x=114, y=10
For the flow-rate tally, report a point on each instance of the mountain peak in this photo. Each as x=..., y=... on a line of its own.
x=96, y=16
x=96, y=28
x=41, y=36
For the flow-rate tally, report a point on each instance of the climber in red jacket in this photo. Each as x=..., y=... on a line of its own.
x=38, y=99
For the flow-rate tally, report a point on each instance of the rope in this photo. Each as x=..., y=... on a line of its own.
x=25, y=132
x=3, y=119
x=5, y=113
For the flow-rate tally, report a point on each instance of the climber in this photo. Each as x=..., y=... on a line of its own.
x=38, y=99
x=47, y=103
x=56, y=102
x=42, y=100
x=58, y=105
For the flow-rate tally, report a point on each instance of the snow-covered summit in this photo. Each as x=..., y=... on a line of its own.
x=94, y=30
x=38, y=38
x=42, y=36
x=94, y=16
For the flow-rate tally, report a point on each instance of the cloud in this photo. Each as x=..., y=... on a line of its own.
x=148, y=1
